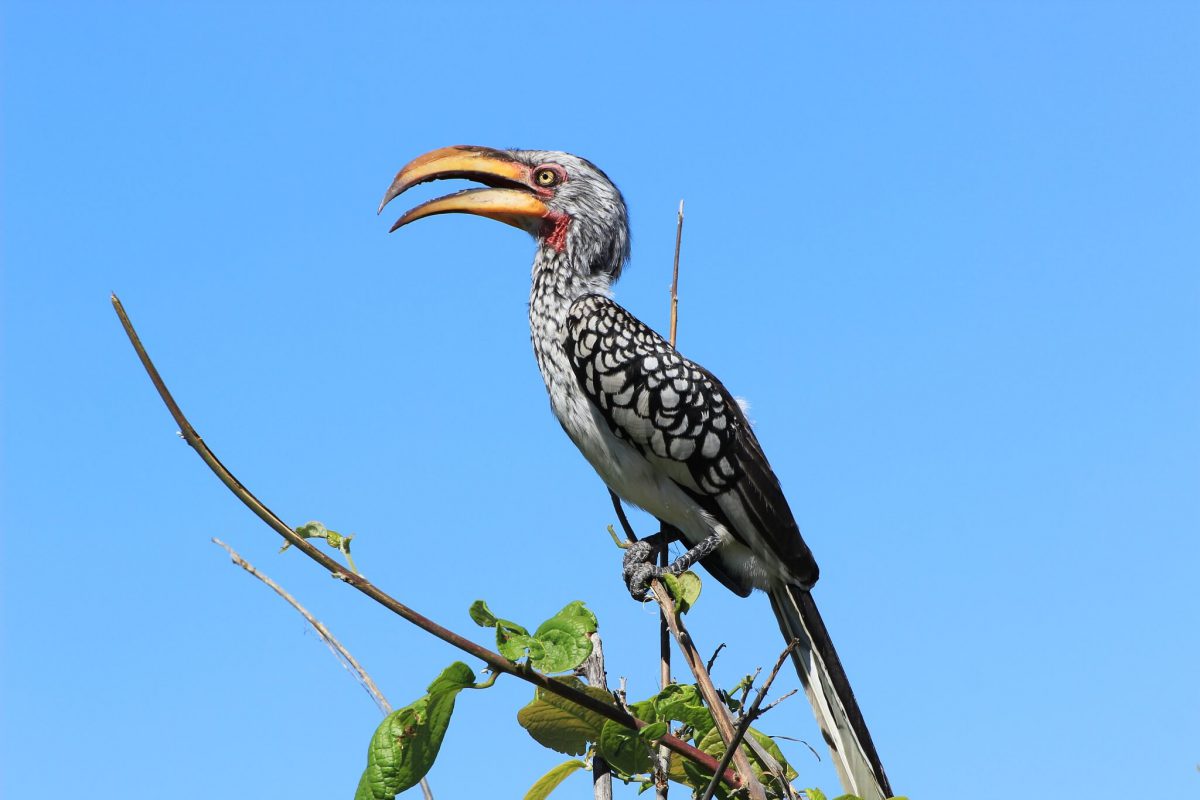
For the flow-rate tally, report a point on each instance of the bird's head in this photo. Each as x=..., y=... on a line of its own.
x=567, y=204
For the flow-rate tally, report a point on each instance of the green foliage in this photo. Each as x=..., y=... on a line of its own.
x=768, y=744
x=684, y=589
x=407, y=741
x=561, y=725
x=682, y=703
x=550, y=781
x=317, y=530
x=654, y=731
x=561, y=643
x=623, y=749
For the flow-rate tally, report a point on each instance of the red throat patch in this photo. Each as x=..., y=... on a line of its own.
x=558, y=236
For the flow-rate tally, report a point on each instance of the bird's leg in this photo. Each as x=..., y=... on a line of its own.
x=638, y=565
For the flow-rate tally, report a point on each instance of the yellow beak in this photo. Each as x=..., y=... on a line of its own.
x=512, y=199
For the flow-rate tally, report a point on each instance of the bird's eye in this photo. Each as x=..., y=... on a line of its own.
x=546, y=177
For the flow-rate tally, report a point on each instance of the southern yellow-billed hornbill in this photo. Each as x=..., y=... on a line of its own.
x=663, y=433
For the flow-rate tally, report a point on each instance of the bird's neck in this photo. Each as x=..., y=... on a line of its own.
x=558, y=281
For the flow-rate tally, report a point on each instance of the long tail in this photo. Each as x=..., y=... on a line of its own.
x=829, y=691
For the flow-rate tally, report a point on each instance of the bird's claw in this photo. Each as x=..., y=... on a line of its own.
x=637, y=569
x=638, y=565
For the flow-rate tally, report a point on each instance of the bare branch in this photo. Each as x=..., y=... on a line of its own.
x=713, y=658
x=782, y=697
x=495, y=661
x=664, y=631
x=748, y=717
x=663, y=757
x=708, y=691
x=330, y=640
x=343, y=655
x=675, y=274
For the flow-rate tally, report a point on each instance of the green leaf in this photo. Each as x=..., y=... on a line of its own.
x=815, y=794
x=564, y=639
x=623, y=748
x=313, y=530
x=579, y=612
x=560, y=644
x=644, y=710
x=561, y=725
x=771, y=747
x=454, y=678
x=512, y=640
x=653, y=731
x=685, y=589
x=482, y=615
x=550, y=781
x=711, y=743
x=513, y=646
x=407, y=741
x=698, y=777
x=564, y=644
x=683, y=704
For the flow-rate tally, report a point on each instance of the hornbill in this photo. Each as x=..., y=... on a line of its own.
x=661, y=431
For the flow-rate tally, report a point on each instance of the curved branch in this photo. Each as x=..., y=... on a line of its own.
x=495, y=661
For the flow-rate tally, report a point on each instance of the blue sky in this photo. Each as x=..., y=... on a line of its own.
x=948, y=252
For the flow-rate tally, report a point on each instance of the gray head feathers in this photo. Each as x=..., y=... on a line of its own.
x=598, y=235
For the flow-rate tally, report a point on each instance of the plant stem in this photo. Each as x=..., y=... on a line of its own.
x=664, y=632
x=675, y=274
x=744, y=725
x=331, y=642
x=338, y=649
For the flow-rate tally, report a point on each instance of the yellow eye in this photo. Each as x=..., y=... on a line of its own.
x=545, y=177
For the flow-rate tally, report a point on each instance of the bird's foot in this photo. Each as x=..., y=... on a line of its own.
x=638, y=565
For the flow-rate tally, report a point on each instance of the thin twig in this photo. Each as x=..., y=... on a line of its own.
x=663, y=760
x=675, y=274
x=664, y=630
x=330, y=640
x=708, y=691
x=751, y=714
x=713, y=658
x=811, y=749
x=338, y=649
x=782, y=697
x=495, y=661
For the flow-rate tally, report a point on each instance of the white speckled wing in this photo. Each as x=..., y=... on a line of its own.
x=687, y=425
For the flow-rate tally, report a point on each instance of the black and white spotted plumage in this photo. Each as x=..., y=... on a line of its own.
x=683, y=421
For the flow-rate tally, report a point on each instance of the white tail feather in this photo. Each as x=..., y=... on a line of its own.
x=829, y=692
